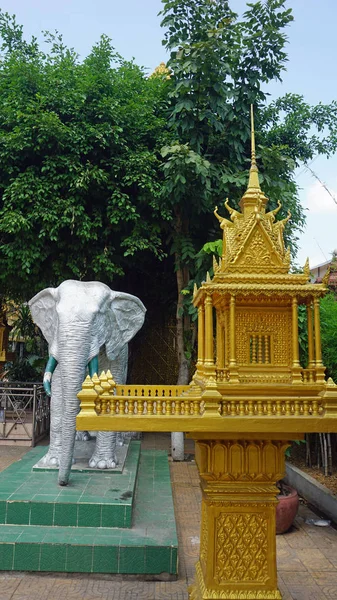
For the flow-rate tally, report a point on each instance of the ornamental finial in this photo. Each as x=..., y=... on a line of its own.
x=253, y=197
x=253, y=172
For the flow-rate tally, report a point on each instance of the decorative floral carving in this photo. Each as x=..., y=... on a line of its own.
x=241, y=548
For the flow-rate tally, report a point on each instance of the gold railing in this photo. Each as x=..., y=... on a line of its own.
x=276, y=407
x=101, y=397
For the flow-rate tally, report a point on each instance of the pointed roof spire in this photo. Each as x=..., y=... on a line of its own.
x=253, y=196
x=253, y=172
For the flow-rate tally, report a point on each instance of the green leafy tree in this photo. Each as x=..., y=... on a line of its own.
x=104, y=171
x=79, y=162
x=328, y=310
x=219, y=65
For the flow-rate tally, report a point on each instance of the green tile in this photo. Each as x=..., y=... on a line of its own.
x=57, y=535
x=79, y=559
x=44, y=497
x=41, y=514
x=3, y=507
x=89, y=515
x=157, y=559
x=131, y=560
x=6, y=557
x=27, y=557
x=53, y=557
x=174, y=560
x=32, y=533
x=105, y=559
x=18, y=512
x=113, y=515
x=65, y=514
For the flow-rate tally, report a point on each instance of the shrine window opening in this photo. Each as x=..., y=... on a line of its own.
x=259, y=349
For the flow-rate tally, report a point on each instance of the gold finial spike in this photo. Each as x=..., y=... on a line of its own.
x=253, y=172
x=306, y=268
x=195, y=289
x=215, y=264
x=326, y=276
x=208, y=277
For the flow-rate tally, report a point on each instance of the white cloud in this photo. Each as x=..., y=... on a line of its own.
x=318, y=200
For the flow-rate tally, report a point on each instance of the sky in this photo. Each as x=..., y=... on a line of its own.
x=134, y=27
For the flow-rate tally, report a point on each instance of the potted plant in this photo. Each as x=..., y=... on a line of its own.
x=287, y=507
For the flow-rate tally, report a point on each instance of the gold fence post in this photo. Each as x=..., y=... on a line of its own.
x=87, y=397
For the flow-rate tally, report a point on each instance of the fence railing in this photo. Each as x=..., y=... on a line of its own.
x=24, y=412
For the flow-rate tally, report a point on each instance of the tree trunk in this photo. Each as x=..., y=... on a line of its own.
x=183, y=362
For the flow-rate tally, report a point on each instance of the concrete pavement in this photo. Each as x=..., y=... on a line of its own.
x=307, y=555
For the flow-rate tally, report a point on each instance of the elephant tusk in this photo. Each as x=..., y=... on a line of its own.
x=93, y=366
x=47, y=382
x=50, y=368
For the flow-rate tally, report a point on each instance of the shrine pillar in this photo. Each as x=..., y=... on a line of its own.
x=209, y=365
x=233, y=371
x=201, y=340
x=296, y=367
x=220, y=342
x=318, y=348
x=237, y=538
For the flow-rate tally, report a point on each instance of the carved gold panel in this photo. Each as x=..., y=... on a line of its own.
x=274, y=323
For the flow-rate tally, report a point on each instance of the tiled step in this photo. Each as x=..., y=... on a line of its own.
x=150, y=547
x=96, y=499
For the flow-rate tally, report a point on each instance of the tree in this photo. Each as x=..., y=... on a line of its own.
x=104, y=171
x=219, y=65
x=79, y=162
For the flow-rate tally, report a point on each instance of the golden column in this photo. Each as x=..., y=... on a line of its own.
x=296, y=368
x=220, y=342
x=201, y=339
x=209, y=344
x=311, y=353
x=318, y=348
x=237, y=537
x=234, y=375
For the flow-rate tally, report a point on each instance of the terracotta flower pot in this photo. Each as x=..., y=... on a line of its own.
x=286, y=509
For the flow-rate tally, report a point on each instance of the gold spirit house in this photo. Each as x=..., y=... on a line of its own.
x=248, y=397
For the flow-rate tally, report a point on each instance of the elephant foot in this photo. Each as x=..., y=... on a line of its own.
x=51, y=459
x=120, y=438
x=82, y=436
x=100, y=462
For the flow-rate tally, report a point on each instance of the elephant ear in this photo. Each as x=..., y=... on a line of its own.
x=43, y=310
x=125, y=317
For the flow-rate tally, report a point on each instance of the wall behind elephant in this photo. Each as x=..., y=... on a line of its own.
x=153, y=356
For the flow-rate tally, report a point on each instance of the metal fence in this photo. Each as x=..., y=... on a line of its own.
x=24, y=412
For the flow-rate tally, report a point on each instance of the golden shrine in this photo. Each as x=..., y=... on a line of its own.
x=248, y=397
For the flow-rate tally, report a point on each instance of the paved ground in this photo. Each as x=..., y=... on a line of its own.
x=307, y=555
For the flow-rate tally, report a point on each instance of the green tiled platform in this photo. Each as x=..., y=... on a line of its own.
x=96, y=499
x=149, y=547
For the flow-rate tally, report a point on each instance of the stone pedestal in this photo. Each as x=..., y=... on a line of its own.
x=237, y=540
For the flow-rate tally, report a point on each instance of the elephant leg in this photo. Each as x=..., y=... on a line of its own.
x=104, y=456
x=120, y=438
x=52, y=458
x=82, y=436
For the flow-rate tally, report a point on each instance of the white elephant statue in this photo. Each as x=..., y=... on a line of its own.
x=78, y=319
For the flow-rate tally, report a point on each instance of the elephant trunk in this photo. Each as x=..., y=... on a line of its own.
x=73, y=362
